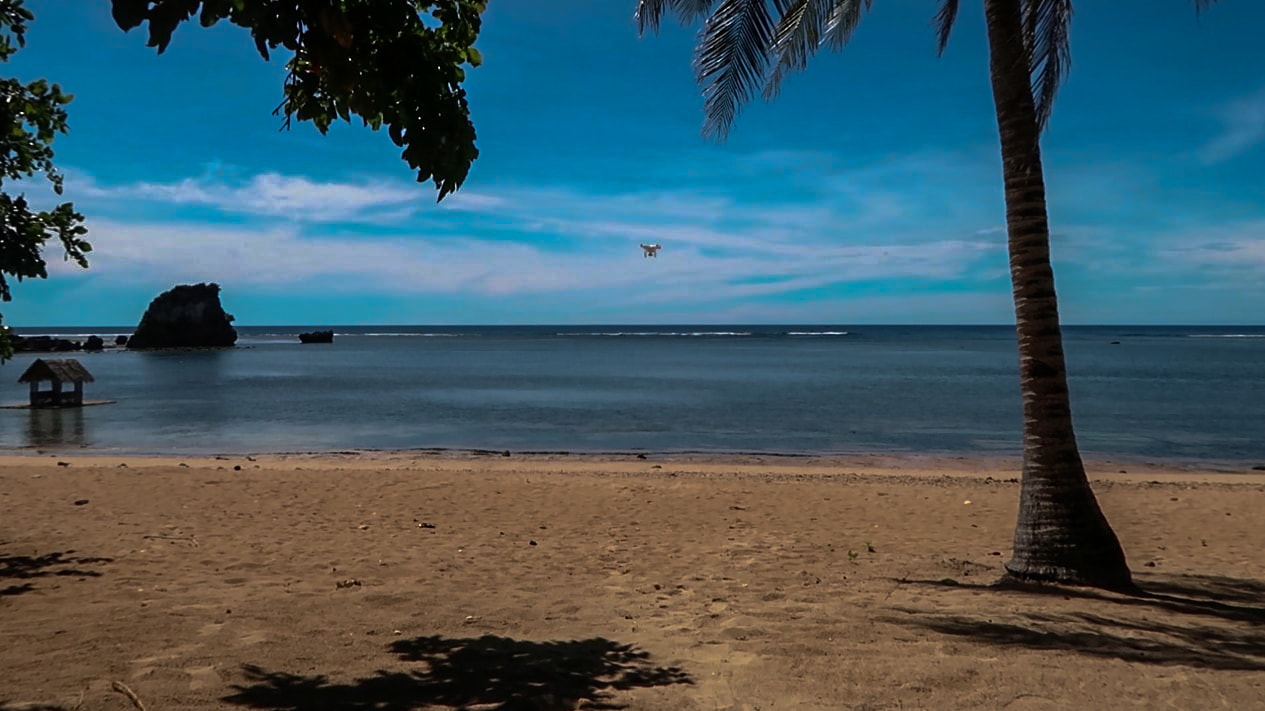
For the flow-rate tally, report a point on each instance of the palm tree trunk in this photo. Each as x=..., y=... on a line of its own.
x=1061, y=535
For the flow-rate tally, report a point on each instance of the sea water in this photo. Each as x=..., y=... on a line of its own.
x=1145, y=392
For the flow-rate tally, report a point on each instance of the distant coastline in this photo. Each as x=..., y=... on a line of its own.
x=665, y=330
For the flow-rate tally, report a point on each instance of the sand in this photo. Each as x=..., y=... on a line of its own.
x=385, y=581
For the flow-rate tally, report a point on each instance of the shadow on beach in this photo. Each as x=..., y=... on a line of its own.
x=1200, y=621
x=26, y=567
x=489, y=671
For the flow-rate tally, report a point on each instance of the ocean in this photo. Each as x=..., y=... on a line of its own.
x=1144, y=392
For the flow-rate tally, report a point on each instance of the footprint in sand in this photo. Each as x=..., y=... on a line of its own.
x=1032, y=703
x=171, y=653
x=742, y=634
x=742, y=628
x=202, y=677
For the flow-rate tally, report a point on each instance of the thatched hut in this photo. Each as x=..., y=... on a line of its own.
x=59, y=373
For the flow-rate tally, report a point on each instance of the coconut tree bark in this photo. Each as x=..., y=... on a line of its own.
x=1061, y=535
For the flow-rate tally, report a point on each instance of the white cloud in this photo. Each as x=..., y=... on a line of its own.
x=471, y=200
x=739, y=246
x=912, y=218
x=930, y=191
x=1243, y=127
x=842, y=214
x=276, y=195
x=1238, y=253
x=281, y=257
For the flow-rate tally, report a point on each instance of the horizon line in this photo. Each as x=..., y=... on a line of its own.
x=116, y=327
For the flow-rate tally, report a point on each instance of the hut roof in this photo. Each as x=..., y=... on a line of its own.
x=67, y=370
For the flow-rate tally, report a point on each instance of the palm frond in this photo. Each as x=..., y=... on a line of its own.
x=945, y=19
x=649, y=13
x=796, y=38
x=805, y=26
x=1047, y=32
x=843, y=21
x=732, y=58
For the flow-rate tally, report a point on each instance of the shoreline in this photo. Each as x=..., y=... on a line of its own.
x=926, y=465
x=1091, y=459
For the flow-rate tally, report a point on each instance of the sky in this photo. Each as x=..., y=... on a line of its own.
x=868, y=192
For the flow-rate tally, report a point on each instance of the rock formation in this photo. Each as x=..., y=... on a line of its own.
x=43, y=344
x=53, y=344
x=317, y=337
x=187, y=316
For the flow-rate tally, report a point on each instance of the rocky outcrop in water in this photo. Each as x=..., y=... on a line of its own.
x=187, y=316
x=317, y=337
x=44, y=344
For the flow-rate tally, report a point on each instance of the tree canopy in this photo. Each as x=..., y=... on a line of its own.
x=397, y=64
x=31, y=116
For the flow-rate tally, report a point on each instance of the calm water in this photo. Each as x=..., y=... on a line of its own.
x=1172, y=392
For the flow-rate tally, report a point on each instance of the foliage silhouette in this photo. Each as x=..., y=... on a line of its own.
x=1206, y=622
x=489, y=671
x=25, y=567
x=1213, y=588
x=32, y=114
x=395, y=64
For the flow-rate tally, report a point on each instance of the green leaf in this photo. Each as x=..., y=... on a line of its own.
x=374, y=59
x=37, y=115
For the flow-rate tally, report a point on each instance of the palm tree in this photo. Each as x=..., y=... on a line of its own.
x=1061, y=534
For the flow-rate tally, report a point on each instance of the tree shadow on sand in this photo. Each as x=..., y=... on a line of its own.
x=489, y=671
x=1208, y=622
x=27, y=567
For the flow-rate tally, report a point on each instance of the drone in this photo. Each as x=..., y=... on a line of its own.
x=651, y=250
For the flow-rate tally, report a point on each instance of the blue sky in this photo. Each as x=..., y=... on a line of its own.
x=868, y=193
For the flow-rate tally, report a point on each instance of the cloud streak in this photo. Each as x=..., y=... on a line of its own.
x=724, y=241
x=1235, y=249
x=275, y=195
x=1243, y=128
x=729, y=247
x=418, y=264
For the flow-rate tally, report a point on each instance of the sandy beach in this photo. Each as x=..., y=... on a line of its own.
x=458, y=580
